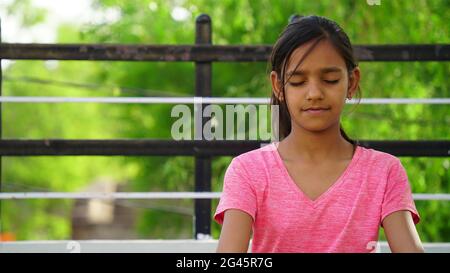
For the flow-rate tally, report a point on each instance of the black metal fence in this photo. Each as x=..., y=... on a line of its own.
x=203, y=53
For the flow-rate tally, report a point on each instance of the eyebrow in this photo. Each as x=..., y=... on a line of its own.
x=323, y=71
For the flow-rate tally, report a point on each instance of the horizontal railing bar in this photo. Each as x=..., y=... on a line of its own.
x=155, y=147
x=111, y=195
x=205, y=53
x=155, y=195
x=207, y=100
x=431, y=196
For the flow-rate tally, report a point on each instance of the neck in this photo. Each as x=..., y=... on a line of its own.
x=316, y=147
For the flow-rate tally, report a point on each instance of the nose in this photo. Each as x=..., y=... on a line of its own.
x=314, y=91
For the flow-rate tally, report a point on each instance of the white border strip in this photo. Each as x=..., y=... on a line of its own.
x=193, y=100
x=156, y=195
x=153, y=246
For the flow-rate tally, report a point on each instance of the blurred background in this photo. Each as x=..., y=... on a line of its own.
x=173, y=22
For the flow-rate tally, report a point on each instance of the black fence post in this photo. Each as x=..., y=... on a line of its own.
x=1, y=135
x=203, y=76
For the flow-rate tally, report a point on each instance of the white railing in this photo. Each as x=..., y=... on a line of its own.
x=156, y=195
x=206, y=100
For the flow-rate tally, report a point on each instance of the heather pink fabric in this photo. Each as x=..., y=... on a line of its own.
x=346, y=218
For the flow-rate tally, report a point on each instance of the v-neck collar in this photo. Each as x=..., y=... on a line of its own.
x=321, y=197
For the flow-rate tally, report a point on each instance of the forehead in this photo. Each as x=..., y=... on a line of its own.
x=323, y=55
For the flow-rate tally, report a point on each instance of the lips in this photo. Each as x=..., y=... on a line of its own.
x=316, y=110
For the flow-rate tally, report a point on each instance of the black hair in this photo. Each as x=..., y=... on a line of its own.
x=299, y=31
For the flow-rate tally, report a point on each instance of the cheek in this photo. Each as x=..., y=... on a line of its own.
x=343, y=85
x=293, y=98
x=338, y=92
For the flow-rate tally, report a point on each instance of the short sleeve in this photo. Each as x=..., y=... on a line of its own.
x=238, y=192
x=398, y=194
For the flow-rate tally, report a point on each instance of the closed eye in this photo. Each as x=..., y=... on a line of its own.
x=296, y=83
x=332, y=82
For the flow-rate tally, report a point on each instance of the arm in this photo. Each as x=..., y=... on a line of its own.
x=236, y=231
x=401, y=233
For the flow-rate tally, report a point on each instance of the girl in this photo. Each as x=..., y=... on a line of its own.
x=316, y=190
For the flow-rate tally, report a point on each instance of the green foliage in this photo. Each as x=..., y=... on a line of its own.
x=28, y=15
x=233, y=22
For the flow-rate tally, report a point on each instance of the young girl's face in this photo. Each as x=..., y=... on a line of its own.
x=320, y=81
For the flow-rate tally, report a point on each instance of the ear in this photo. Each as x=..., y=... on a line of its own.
x=353, y=83
x=276, y=85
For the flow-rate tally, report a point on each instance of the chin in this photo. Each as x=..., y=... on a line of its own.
x=316, y=127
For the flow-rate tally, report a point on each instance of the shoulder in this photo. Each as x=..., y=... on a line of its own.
x=255, y=164
x=257, y=158
x=377, y=157
x=377, y=161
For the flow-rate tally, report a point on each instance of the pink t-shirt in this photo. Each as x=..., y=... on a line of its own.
x=346, y=218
